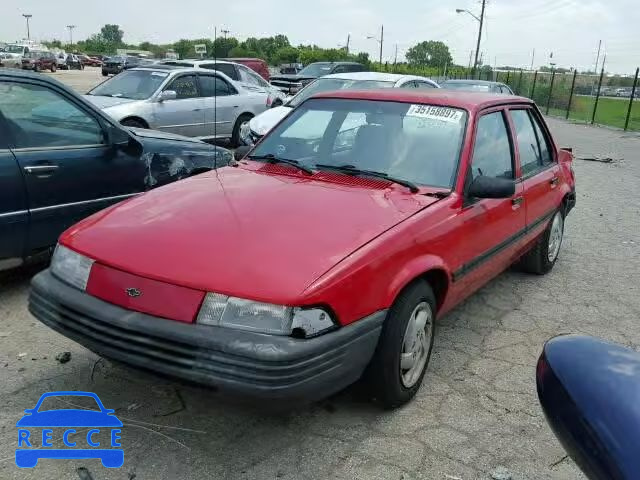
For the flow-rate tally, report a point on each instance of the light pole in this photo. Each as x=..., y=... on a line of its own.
x=27, y=17
x=379, y=40
x=225, y=33
x=481, y=21
x=71, y=27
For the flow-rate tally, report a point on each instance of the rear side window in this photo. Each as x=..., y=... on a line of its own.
x=532, y=145
x=492, y=155
x=215, y=86
x=423, y=85
x=184, y=86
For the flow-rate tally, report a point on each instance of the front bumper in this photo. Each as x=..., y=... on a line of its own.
x=239, y=362
x=111, y=70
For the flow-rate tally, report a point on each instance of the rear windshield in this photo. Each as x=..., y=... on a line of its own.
x=328, y=84
x=469, y=87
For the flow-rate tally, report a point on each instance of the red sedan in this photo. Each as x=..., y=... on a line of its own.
x=325, y=255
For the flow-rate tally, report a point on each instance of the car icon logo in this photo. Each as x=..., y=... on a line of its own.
x=86, y=433
x=133, y=292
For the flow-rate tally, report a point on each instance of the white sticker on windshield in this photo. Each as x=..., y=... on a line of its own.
x=159, y=74
x=443, y=114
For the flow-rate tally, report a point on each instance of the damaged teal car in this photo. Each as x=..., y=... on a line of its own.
x=62, y=159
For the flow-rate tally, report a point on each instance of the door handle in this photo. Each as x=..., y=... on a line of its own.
x=516, y=202
x=35, y=169
x=554, y=182
x=196, y=109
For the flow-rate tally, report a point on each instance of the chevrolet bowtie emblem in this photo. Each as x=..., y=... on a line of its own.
x=133, y=292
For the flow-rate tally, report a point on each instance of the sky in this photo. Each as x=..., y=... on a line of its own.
x=568, y=29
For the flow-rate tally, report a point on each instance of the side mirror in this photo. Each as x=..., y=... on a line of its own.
x=240, y=152
x=167, y=95
x=589, y=391
x=492, y=187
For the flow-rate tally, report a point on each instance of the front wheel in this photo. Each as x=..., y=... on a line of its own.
x=235, y=136
x=398, y=366
x=36, y=68
x=53, y=68
x=544, y=253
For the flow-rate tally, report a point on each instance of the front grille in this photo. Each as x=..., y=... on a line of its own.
x=168, y=355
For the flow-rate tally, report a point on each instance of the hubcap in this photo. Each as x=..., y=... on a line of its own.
x=555, y=237
x=416, y=344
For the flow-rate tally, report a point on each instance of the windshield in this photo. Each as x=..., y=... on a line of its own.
x=417, y=143
x=134, y=84
x=470, y=87
x=316, y=70
x=116, y=59
x=328, y=84
x=14, y=49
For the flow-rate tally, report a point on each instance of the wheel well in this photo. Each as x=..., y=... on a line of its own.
x=439, y=283
x=137, y=119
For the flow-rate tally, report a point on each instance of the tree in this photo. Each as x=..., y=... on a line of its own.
x=430, y=54
x=286, y=55
x=222, y=47
x=112, y=34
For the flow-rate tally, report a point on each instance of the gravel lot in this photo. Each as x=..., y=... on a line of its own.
x=80, y=80
x=476, y=415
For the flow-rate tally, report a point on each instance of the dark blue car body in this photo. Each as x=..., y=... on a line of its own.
x=51, y=176
x=69, y=418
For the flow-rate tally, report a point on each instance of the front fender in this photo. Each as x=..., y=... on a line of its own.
x=412, y=270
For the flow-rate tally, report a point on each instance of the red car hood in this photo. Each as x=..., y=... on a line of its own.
x=242, y=232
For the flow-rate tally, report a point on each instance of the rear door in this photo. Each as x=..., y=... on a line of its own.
x=492, y=228
x=538, y=168
x=185, y=114
x=67, y=166
x=14, y=215
x=221, y=105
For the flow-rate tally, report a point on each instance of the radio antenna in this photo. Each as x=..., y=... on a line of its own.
x=215, y=86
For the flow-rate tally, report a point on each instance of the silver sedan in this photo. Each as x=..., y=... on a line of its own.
x=10, y=60
x=186, y=101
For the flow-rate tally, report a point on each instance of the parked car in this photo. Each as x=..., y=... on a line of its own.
x=188, y=101
x=348, y=251
x=258, y=126
x=239, y=73
x=96, y=61
x=292, y=84
x=10, y=61
x=290, y=68
x=61, y=61
x=256, y=64
x=477, y=86
x=118, y=63
x=37, y=61
x=74, y=63
x=62, y=159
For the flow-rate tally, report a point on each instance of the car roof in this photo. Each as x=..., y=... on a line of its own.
x=473, y=82
x=247, y=59
x=198, y=61
x=377, y=76
x=471, y=101
x=334, y=63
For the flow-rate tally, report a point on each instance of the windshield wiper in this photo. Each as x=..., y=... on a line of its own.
x=356, y=171
x=271, y=158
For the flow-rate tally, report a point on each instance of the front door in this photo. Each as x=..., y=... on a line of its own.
x=492, y=229
x=538, y=170
x=68, y=167
x=185, y=114
x=222, y=103
x=14, y=216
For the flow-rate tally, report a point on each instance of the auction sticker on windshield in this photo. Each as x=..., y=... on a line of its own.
x=444, y=114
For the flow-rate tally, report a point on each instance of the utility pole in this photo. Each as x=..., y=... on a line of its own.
x=395, y=57
x=348, y=41
x=225, y=32
x=27, y=17
x=596, y=69
x=475, y=65
x=533, y=56
x=71, y=27
x=470, y=57
x=381, y=42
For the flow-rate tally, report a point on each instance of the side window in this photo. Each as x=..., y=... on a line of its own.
x=492, y=155
x=184, y=86
x=528, y=146
x=228, y=69
x=38, y=117
x=410, y=84
x=211, y=85
x=341, y=69
x=543, y=141
x=423, y=85
x=257, y=79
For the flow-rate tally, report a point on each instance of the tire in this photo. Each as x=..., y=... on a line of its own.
x=388, y=382
x=36, y=68
x=235, y=136
x=541, y=258
x=105, y=74
x=53, y=68
x=132, y=122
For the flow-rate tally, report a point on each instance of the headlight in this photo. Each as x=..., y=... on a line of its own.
x=71, y=267
x=260, y=317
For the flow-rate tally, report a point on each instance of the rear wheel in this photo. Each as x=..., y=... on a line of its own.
x=36, y=68
x=53, y=68
x=544, y=253
x=133, y=122
x=404, y=349
x=235, y=137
